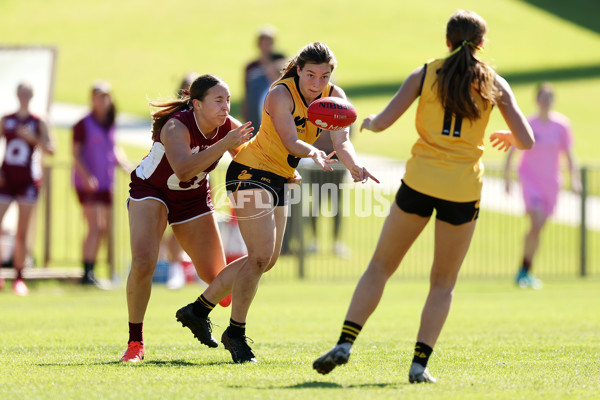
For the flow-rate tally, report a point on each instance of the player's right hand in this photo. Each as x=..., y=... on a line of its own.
x=366, y=124
x=323, y=160
x=502, y=140
x=238, y=136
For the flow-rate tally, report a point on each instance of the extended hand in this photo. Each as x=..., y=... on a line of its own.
x=238, y=136
x=502, y=140
x=323, y=160
x=366, y=124
x=360, y=174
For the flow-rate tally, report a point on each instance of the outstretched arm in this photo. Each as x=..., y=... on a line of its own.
x=406, y=95
x=520, y=134
x=345, y=150
x=279, y=105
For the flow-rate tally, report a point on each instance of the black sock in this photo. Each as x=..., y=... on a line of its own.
x=19, y=274
x=526, y=266
x=202, y=307
x=350, y=331
x=135, y=332
x=88, y=267
x=422, y=353
x=236, y=329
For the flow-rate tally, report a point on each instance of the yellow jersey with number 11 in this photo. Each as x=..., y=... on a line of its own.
x=446, y=159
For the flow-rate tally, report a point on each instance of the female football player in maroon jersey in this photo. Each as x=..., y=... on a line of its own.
x=21, y=172
x=170, y=186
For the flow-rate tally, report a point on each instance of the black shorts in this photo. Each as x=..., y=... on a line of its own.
x=241, y=177
x=413, y=202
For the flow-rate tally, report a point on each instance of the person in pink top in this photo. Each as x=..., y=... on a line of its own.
x=539, y=174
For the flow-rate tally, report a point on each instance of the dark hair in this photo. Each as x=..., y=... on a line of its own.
x=312, y=53
x=200, y=86
x=186, y=83
x=111, y=113
x=544, y=87
x=462, y=71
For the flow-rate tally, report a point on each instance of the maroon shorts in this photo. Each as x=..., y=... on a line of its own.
x=179, y=209
x=26, y=192
x=101, y=197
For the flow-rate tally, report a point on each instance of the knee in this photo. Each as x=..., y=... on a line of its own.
x=259, y=261
x=142, y=266
x=102, y=229
x=381, y=267
x=442, y=285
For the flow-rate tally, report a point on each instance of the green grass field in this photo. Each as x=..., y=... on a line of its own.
x=499, y=342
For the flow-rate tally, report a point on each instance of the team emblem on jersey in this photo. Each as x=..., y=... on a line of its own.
x=244, y=175
x=173, y=183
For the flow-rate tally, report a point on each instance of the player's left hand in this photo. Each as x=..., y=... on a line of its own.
x=360, y=174
x=296, y=180
x=502, y=140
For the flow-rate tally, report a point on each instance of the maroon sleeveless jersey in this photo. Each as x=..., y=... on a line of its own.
x=156, y=171
x=19, y=166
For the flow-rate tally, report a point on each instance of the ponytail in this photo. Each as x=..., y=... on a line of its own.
x=462, y=72
x=197, y=90
x=164, y=112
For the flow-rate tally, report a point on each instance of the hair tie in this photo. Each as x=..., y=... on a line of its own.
x=462, y=44
x=186, y=92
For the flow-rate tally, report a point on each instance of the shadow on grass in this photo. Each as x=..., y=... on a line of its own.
x=581, y=12
x=149, y=363
x=323, y=385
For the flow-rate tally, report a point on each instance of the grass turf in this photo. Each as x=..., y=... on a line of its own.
x=499, y=342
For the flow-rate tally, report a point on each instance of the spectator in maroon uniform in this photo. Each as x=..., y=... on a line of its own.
x=170, y=186
x=21, y=173
x=95, y=156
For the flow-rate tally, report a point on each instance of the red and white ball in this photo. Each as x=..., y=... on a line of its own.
x=331, y=113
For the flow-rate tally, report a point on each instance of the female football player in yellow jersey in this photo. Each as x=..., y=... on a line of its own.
x=456, y=95
x=256, y=181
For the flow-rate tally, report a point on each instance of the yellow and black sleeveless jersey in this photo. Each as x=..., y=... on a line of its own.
x=266, y=150
x=446, y=159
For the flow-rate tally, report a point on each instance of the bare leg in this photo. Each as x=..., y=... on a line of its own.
x=259, y=234
x=26, y=210
x=147, y=223
x=201, y=240
x=398, y=234
x=3, y=208
x=532, y=238
x=451, y=245
x=96, y=215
